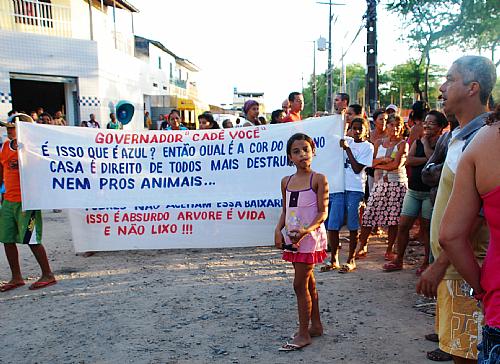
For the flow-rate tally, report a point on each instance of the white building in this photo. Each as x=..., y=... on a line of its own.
x=82, y=57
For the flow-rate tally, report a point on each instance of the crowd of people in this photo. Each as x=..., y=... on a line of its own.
x=438, y=170
x=42, y=117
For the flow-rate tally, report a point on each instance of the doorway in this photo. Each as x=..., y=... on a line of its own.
x=52, y=93
x=28, y=95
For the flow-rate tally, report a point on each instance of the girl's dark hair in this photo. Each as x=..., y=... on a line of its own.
x=440, y=118
x=210, y=118
x=274, y=116
x=293, y=138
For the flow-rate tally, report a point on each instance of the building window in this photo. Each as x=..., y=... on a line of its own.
x=159, y=63
x=171, y=71
x=33, y=12
x=180, y=75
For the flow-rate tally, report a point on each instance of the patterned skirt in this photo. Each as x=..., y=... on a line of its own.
x=385, y=203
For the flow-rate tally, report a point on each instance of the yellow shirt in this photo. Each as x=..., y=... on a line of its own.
x=480, y=237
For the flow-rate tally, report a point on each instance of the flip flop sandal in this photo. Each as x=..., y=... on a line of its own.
x=346, y=268
x=290, y=347
x=438, y=355
x=392, y=267
x=39, y=285
x=9, y=286
x=328, y=268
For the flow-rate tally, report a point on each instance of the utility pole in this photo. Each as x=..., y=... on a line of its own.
x=371, y=94
x=329, y=72
x=314, y=91
x=329, y=98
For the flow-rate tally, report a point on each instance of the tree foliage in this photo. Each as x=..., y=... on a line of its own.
x=399, y=84
x=477, y=26
x=395, y=85
x=438, y=24
x=428, y=26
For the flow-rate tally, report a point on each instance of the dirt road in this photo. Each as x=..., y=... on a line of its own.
x=203, y=306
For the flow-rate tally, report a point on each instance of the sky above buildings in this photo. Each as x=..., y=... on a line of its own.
x=266, y=45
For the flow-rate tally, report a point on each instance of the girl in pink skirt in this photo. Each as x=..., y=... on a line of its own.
x=305, y=202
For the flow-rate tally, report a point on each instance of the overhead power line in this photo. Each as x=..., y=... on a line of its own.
x=355, y=37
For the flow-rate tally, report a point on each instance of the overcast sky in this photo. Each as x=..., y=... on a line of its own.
x=265, y=45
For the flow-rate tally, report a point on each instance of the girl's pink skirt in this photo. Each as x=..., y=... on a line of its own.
x=308, y=258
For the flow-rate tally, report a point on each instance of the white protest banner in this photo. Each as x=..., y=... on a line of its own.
x=71, y=167
x=158, y=227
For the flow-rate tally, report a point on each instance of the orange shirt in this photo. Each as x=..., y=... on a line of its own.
x=10, y=164
x=292, y=117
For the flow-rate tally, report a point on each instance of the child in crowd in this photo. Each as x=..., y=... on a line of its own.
x=207, y=121
x=358, y=155
x=305, y=200
x=17, y=226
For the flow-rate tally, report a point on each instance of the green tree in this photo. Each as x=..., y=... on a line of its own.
x=396, y=85
x=437, y=24
x=400, y=84
x=477, y=26
x=428, y=25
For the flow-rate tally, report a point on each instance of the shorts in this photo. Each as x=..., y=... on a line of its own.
x=489, y=349
x=20, y=227
x=340, y=204
x=416, y=202
x=460, y=319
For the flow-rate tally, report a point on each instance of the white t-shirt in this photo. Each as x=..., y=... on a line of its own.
x=363, y=153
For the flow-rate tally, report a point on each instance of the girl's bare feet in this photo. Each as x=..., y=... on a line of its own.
x=301, y=341
x=314, y=331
